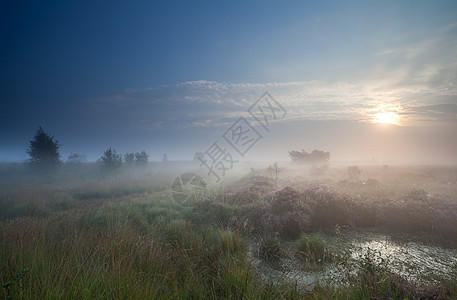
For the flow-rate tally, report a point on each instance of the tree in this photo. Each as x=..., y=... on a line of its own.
x=141, y=158
x=44, y=151
x=314, y=157
x=110, y=161
x=74, y=159
x=129, y=158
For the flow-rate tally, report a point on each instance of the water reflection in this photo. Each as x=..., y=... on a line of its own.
x=414, y=261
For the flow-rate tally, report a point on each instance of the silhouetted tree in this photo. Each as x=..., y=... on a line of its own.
x=110, y=161
x=129, y=158
x=314, y=157
x=74, y=159
x=43, y=151
x=141, y=158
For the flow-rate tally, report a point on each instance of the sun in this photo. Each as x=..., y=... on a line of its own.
x=386, y=118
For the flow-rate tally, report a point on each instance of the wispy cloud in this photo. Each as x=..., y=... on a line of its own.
x=425, y=66
x=209, y=104
x=414, y=80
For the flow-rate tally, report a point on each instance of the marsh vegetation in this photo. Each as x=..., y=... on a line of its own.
x=303, y=232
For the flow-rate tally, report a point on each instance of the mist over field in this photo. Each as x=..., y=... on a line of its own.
x=237, y=150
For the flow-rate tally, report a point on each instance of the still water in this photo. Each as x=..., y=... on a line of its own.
x=418, y=262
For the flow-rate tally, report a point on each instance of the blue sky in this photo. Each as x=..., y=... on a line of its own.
x=172, y=76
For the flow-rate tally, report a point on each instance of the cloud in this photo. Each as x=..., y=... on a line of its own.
x=411, y=79
x=428, y=65
x=446, y=112
x=212, y=104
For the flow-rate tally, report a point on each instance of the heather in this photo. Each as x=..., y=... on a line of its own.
x=307, y=233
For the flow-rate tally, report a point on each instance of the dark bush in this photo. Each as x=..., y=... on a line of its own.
x=294, y=212
x=418, y=211
x=328, y=207
x=263, y=221
x=248, y=190
x=286, y=214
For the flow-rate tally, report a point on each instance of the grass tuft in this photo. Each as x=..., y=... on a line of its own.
x=311, y=248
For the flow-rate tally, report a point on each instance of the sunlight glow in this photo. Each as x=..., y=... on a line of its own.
x=386, y=118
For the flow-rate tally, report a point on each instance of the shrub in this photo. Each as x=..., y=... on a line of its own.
x=294, y=213
x=418, y=211
x=286, y=214
x=328, y=207
x=263, y=221
x=314, y=157
x=248, y=190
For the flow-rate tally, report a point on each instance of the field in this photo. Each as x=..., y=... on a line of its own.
x=293, y=232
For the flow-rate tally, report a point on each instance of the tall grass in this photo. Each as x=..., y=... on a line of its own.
x=120, y=251
x=311, y=248
x=126, y=238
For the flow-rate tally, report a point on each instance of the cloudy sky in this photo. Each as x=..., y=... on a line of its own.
x=362, y=79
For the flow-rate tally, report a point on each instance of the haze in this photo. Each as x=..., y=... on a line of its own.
x=228, y=149
x=365, y=80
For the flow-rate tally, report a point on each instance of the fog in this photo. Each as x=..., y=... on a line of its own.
x=229, y=150
x=297, y=224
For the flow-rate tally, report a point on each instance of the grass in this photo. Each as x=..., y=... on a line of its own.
x=110, y=254
x=124, y=237
x=311, y=248
x=270, y=249
x=140, y=249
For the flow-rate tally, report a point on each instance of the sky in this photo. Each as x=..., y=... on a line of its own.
x=365, y=80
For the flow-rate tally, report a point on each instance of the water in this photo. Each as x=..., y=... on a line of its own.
x=412, y=260
x=417, y=262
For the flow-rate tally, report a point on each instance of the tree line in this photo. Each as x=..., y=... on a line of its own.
x=44, y=153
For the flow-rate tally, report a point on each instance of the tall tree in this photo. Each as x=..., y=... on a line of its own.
x=141, y=158
x=110, y=161
x=43, y=151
